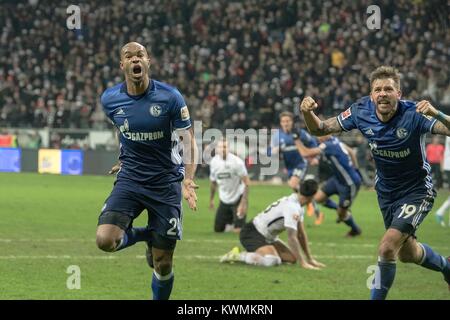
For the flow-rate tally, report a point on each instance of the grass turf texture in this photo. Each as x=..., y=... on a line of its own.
x=48, y=223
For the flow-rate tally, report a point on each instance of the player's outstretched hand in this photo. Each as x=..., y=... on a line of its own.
x=211, y=205
x=308, y=104
x=316, y=263
x=114, y=169
x=241, y=210
x=424, y=107
x=189, y=194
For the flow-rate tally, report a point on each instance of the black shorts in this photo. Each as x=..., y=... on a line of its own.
x=408, y=212
x=251, y=239
x=226, y=214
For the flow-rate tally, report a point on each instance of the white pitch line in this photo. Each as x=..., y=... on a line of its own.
x=140, y=257
x=226, y=241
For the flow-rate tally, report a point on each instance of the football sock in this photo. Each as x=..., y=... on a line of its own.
x=162, y=286
x=330, y=204
x=254, y=258
x=250, y=257
x=351, y=223
x=432, y=260
x=133, y=235
x=316, y=208
x=270, y=260
x=443, y=207
x=383, y=280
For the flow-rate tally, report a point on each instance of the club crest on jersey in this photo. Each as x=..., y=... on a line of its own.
x=155, y=110
x=401, y=133
x=347, y=113
x=126, y=125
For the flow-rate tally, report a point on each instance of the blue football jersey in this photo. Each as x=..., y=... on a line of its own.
x=398, y=146
x=340, y=161
x=291, y=156
x=150, y=150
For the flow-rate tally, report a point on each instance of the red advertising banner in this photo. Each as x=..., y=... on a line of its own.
x=7, y=140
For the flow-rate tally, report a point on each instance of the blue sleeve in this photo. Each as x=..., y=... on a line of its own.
x=328, y=147
x=308, y=140
x=104, y=101
x=179, y=114
x=425, y=123
x=347, y=119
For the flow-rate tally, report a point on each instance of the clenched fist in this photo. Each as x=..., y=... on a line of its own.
x=424, y=107
x=308, y=104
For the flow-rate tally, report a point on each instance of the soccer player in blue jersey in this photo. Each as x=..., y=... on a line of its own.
x=296, y=165
x=396, y=131
x=151, y=116
x=345, y=180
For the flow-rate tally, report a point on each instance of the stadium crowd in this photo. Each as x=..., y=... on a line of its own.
x=237, y=63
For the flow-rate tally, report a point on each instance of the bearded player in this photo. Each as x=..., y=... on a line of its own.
x=396, y=132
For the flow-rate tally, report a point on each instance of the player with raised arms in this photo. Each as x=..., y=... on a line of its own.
x=396, y=132
x=151, y=117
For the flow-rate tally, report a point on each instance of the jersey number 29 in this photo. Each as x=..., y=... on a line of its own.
x=175, y=222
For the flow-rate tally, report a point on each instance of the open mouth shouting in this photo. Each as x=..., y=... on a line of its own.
x=136, y=71
x=384, y=103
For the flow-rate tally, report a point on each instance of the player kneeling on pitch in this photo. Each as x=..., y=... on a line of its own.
x=228, y=172
x=260, y=239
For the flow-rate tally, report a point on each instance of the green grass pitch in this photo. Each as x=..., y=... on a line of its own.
x=48, y=223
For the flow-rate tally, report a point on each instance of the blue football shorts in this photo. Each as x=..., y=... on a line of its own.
x=346, y=193
x=406, y=213
x=163, y=204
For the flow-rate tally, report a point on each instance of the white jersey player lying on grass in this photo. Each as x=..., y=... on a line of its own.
x=260, y=236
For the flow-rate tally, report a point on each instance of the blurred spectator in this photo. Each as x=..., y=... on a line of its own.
x=363, y=156
x=238, y=63
x=435, y=156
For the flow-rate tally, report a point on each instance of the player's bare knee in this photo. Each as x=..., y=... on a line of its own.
x=163, y=267
x=106, y=244
x=387, y=251
x=163, y=264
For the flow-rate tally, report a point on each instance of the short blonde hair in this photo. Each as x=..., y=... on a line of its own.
x=287, y=114
x=385, y=72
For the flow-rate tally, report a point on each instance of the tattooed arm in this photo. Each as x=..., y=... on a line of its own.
x=442, y=125
x=316, y=126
